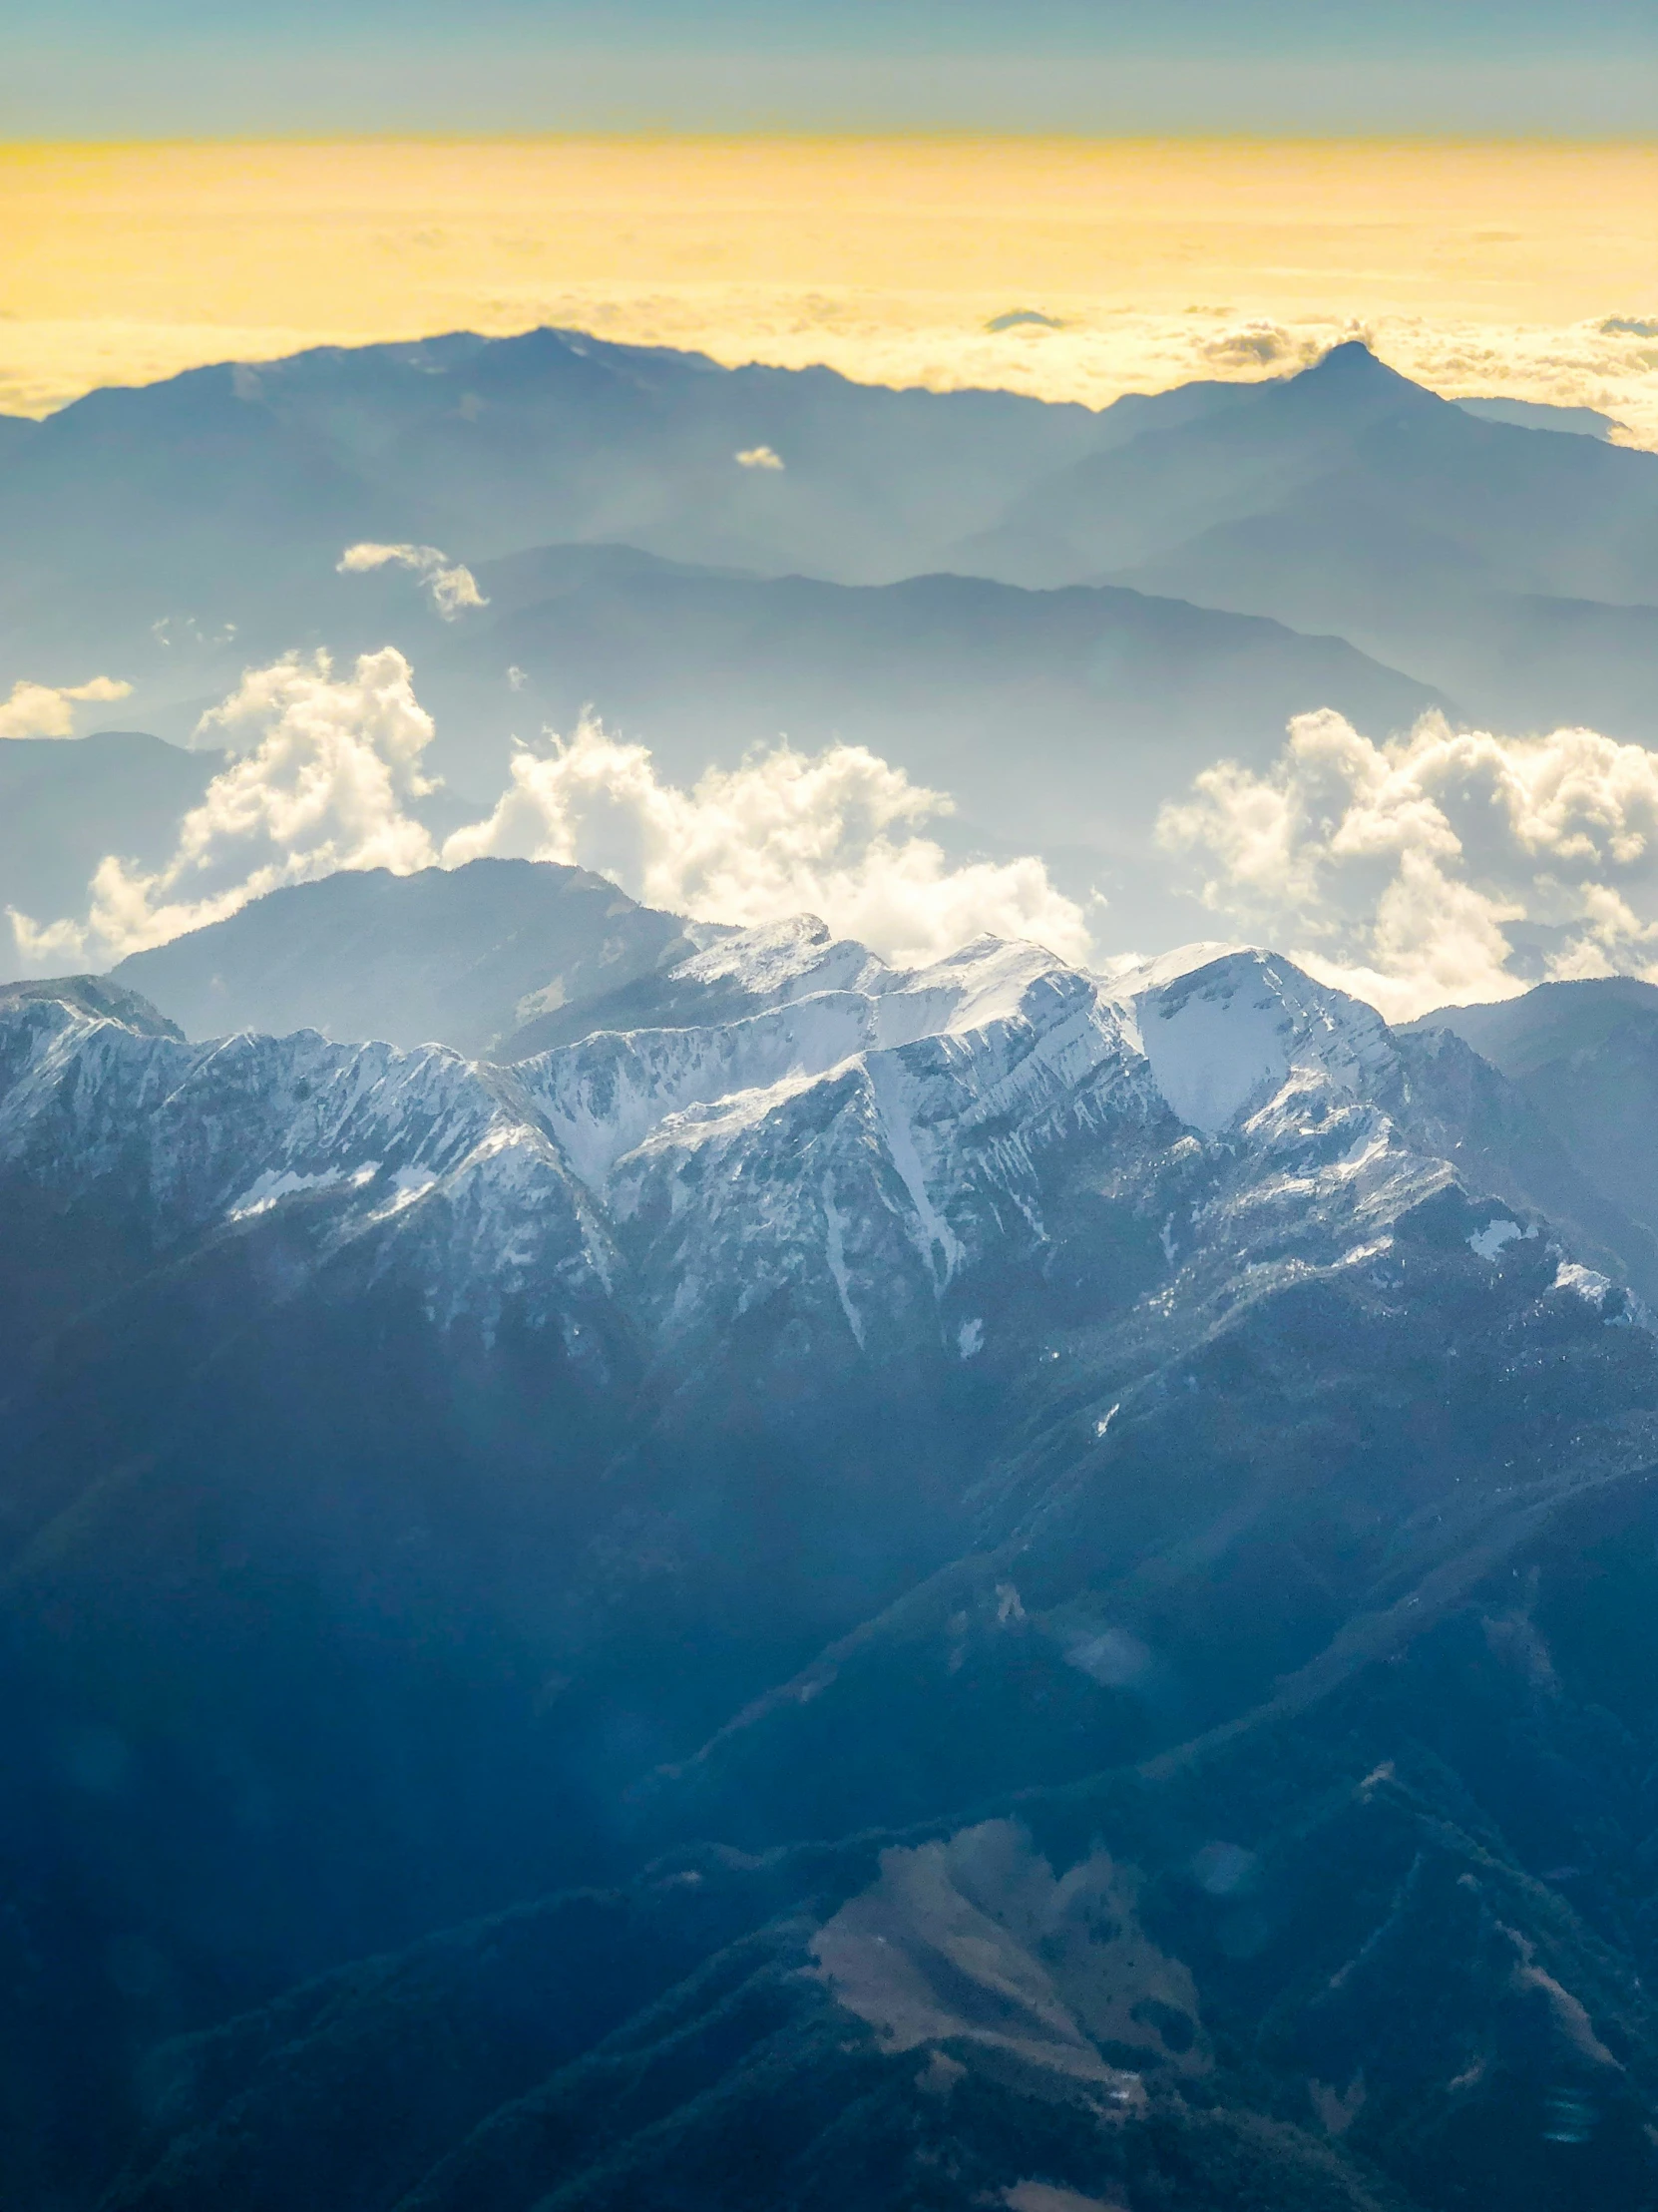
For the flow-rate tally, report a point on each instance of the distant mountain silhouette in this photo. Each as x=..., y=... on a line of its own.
x=462, y=956
x=65, y=803
x=1055, y=719
x=1585, y=1056
x=234, y=479
x=1351, y=500
x=1539, y=414
x=1112, y=510
x=174, y=534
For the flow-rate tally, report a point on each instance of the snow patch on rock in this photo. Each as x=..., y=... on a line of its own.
x=1487, y=1243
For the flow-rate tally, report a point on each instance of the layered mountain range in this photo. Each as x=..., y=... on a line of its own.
x=778, y=1582
x=975, y=584
x=671, y=1567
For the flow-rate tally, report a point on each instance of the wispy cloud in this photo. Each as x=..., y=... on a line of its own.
x=1259, y=345
x=451, y=587
x=1450, y=866
x=48, y=710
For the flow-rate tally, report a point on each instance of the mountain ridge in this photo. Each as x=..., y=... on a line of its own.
x=906, y=1448
x=650, y=1564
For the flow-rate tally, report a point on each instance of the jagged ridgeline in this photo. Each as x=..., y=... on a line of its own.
x=734, y=1578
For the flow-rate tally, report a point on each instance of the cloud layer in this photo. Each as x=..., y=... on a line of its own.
x=48, y=710
x=1446, y=867
x=328, y=771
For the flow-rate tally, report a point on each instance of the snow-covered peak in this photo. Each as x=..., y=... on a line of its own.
x=1136, y=975
x=866, y=1150
x=607, y=1093
x=1221, y=1034
x=787, y=963
x=985, y=982
x=785, y=960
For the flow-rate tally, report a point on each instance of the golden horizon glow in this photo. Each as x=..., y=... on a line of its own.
x=1486, y=267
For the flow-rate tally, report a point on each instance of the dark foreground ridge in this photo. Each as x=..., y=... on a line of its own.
x=830, y=1588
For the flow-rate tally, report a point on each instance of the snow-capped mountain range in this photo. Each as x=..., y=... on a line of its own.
x=874, y=1143
x=839, y=1427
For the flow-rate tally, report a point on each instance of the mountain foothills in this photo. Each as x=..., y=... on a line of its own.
x=814, y=1584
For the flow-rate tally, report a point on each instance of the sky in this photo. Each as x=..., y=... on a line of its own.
x=127, y=69
x=1072, y=200
x=1179, y=186
x=1527, y=270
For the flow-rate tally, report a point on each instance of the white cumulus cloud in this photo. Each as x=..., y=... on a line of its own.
x=450, y=586
x=758, y=457
x=1446, y=867
x=48, y=710
x=327, y=767
x=832, y=833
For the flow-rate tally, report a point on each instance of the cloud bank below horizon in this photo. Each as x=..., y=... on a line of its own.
x=327, y=776
x=1445, y=866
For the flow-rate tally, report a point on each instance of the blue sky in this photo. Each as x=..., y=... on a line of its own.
x=145, y=67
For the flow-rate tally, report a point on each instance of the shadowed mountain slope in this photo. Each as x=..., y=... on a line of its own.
x=1585, y=1056
x=462, y=956
x=1136, y=1460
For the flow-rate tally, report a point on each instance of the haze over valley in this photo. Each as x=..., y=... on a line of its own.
x=1039, y=658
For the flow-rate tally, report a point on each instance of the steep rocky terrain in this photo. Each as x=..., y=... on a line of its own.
x=829, y=1584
